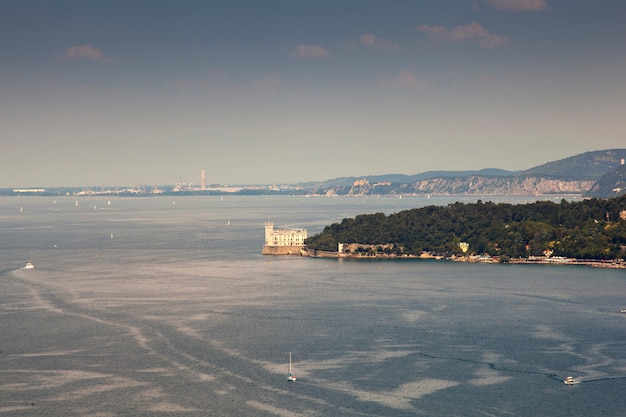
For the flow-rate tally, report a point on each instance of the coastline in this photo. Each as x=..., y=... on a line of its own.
x=532, y=260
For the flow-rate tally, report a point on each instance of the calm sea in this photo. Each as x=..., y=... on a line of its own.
x=164, y=306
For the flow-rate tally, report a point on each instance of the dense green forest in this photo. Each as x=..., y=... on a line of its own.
x=590, y=229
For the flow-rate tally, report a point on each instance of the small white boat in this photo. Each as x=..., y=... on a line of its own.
x=569, y=380
x=29, y=265
x=290, y=377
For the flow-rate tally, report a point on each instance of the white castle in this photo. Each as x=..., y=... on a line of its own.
x=283, y=241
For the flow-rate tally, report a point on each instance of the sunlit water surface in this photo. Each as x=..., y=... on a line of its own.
x=164, y=306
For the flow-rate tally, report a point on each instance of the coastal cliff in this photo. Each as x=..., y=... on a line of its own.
x=479, y=185
x=499, y=186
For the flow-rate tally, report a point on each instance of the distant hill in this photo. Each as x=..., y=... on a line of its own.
x=486, y=172
x=612, y=184
x=574, y=175
x=407, y=179
x=585, y=166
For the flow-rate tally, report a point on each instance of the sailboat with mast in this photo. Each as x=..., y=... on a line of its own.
x=290, y=377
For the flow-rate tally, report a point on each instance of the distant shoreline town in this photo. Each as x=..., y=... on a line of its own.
x=147, y=191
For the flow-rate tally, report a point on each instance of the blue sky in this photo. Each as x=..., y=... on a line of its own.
x=282, y=91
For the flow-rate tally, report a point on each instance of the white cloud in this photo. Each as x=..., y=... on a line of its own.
x=373, y=41
x=85, y=52
x=404, y=80
x=517, y=5
x=310, y=51
x=473, y=33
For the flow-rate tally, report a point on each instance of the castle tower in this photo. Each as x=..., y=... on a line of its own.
x=269, y=232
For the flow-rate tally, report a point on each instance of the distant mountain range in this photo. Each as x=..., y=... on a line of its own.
x=591, y=174
x=407, y=179
x=600, y=174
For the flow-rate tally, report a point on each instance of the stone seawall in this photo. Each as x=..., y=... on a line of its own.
x=282, y=250
x=320, y=254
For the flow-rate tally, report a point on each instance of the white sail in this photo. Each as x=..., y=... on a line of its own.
x=290, y=377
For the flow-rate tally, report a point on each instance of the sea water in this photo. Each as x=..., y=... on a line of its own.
x=165, y=306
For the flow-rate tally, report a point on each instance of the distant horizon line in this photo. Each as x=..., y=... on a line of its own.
x=260, y=184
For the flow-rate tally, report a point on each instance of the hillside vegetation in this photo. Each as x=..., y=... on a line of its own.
x=590, y=229
x=611, y=184
x=585, y=166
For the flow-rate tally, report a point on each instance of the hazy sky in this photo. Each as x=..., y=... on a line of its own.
x=281, y=91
